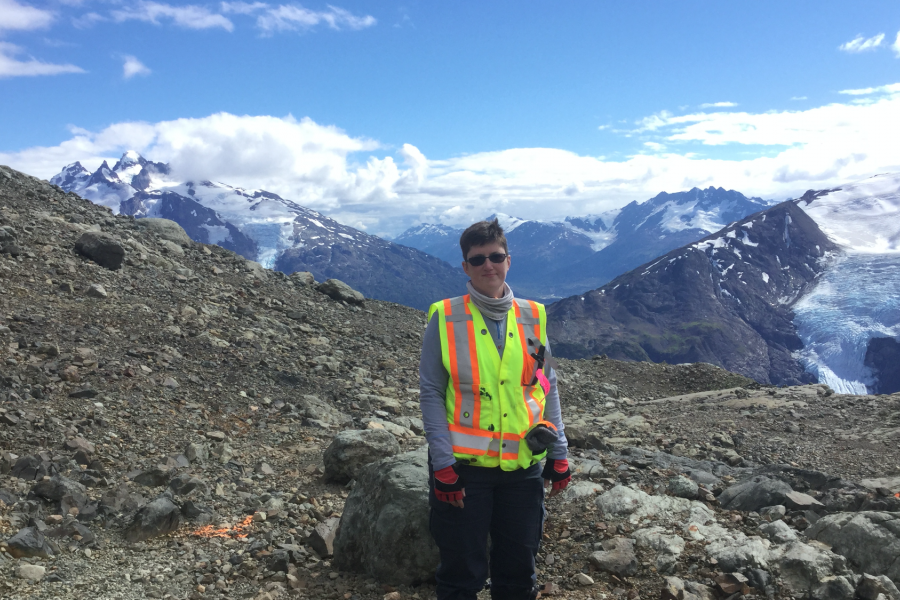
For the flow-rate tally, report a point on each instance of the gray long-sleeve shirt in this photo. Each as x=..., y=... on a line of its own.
x=433, y=378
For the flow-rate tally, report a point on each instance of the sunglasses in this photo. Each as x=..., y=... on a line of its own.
x=496, y=258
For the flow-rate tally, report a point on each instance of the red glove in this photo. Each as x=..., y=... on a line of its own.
x=557, y=471
x=448, y=485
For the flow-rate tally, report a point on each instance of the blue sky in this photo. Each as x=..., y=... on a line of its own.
x=382, y=114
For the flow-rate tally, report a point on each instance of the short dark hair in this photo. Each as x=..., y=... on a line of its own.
x=481, y=233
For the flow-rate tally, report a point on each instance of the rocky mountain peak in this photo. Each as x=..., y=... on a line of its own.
x=274, y=231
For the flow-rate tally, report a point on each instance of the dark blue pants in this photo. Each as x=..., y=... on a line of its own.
x=507, y=505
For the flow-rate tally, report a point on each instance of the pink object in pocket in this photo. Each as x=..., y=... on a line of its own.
x=542, y=379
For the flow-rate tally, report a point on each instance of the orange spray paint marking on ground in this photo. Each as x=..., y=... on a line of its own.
x=239, y=531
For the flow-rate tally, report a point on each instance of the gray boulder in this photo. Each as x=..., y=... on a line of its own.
x=316, y=409
x=870, y=587
x=352, y=450
x=102, y=248
x=384, y=527
x=157, y=518
x=617, y=557
x=804, y=567
x=166, y=229
x=338, y=290
x=58, y=487
x=778, y=532
x=321, y=540
x=869, y=540
x=834, y=588
x=303, y=277
x=753, y=494
x=683, y=487
x=29, y=542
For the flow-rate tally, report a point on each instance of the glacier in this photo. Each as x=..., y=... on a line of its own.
x=857, y=299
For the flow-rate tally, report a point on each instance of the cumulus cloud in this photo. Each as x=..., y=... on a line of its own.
x=718, y=105
x=131, y=67
x=861, y=43
x=189, y=16
x=363, y=184
x=896, y=45
x=10, y=66
x=15, y=16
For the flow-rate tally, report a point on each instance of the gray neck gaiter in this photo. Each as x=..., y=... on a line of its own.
x=492, y=308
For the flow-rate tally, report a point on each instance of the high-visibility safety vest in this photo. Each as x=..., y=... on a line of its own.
x=492, y=403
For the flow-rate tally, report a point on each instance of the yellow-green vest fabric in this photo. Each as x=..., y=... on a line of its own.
x=491, y=403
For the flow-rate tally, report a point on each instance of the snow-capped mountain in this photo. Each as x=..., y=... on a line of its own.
x=267, y=228
x=725, y=300
x=552, y=259
x=806, y=290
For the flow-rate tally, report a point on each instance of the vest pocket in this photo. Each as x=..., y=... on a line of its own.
x=529, y=372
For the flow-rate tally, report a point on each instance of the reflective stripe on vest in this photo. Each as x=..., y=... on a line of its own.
x=490, y=402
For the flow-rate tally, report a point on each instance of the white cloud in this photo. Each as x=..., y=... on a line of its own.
x=131, y=67
x=296, y=18
x=354, y=180
x=892, y=88
x=798, y=98
x=861, y=43
x=718, y=105
x=15, y=16
x=88, y=20
x=896, y=45
x=190, y=16
x=243, y=8
x=10, y=66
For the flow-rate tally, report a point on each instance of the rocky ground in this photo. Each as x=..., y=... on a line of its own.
x=166, y=406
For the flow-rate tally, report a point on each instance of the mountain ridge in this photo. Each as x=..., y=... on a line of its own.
x=264, y=227
x=553, y=259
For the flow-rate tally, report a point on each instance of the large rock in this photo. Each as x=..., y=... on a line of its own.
x=29, y=542
x=157, y=518
x=321, y=540
x=316, y=409
x=667, y=547
x=617, y=557
x=31, y=572
x=623, y=501
x=754, y=494
x=166, y=229
x=102, y=248
x=803, y=567
x=352, y=450
x=338, y=290
x=384, y=528
x=869, y=587
x=834, y=588
x=778, y=532
x=869, y=540
x=63, y=492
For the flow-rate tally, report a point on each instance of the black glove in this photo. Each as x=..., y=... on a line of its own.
x=448, y=485
x=557, y=471
x=539, y=438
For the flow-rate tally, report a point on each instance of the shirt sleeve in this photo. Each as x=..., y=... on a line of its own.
x=433, y=378
x=553, y=413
